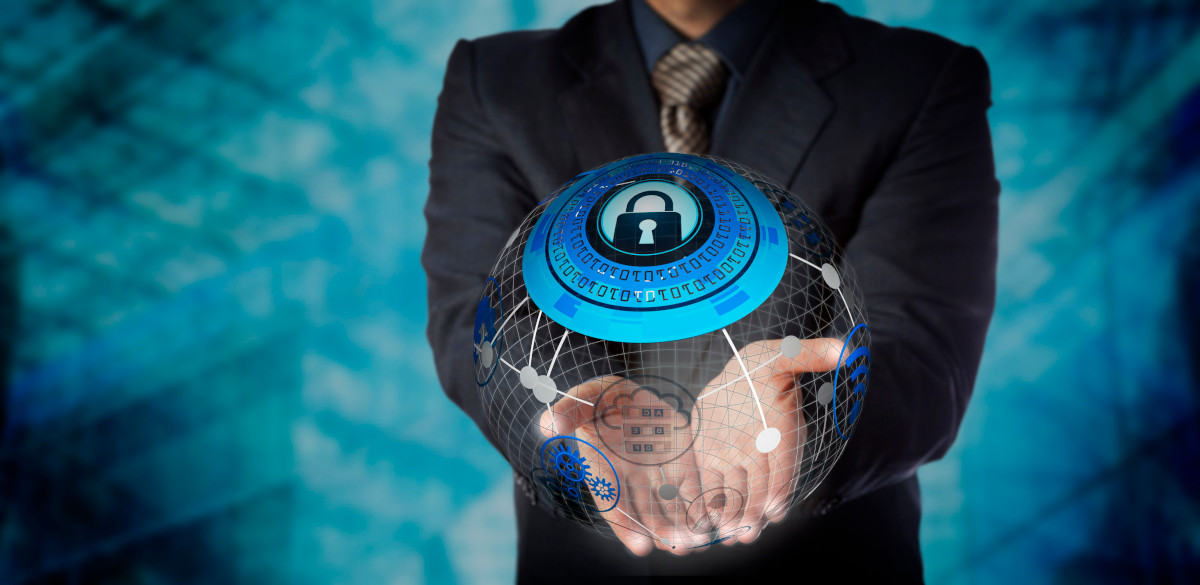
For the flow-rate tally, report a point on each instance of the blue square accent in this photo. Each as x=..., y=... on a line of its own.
x=732, y=303
x=568, y=304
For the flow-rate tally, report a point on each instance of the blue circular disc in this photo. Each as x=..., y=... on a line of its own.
x=653, y=248
x=584, y=457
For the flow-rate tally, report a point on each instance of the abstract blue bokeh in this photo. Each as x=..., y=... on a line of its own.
x=212, y=311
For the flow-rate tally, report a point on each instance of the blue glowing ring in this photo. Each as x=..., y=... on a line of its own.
x=616, y=477
x=860, y=388
x=724, y=270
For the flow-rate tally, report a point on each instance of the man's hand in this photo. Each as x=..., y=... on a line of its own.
x=727, y=449
x=641, y=508
x=723, y=456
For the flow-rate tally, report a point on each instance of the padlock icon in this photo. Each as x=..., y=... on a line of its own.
x=648, y=232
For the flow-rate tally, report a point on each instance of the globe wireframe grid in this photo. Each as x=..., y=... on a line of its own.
x=665, y=441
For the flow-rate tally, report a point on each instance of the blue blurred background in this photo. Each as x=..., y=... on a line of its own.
x=211, y=307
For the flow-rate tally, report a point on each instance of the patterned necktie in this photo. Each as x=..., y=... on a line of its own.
x=688, y=79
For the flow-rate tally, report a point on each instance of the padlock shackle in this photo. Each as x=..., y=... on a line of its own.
x=659, y=194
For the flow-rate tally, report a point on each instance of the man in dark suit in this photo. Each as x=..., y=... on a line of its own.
x=882, y=131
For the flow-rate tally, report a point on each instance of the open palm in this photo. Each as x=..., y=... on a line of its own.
x=736, y=470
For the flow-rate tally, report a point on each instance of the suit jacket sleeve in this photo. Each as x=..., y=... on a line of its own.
x=477, y=197
x=925, y=257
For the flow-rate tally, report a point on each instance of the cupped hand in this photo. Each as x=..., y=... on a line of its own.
x=645, y=516
x=717, y=478
x=752, y=434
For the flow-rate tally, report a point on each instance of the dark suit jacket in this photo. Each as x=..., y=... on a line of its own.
x=883, y=131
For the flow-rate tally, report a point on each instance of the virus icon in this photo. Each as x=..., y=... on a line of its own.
x=571, y=465
x=601, y=488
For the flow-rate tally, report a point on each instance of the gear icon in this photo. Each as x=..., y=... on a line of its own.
x=573, y=492
x=601, y=488
x=571, y=465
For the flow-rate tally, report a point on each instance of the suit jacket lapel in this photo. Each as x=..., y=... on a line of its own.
x=778, y=113
x=610, y=111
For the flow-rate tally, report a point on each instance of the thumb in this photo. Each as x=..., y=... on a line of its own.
x=575, y=408
x=808, y=355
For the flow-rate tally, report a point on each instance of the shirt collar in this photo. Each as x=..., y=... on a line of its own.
x=735, y=38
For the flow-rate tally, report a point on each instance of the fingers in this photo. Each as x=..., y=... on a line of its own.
x=722, y=504
x=651, y=516
x=808, y=355
x=637, y=536
x=571, y=411
x=731, y=518
x=708, y=511
x=672, y=485
x=620, y=517
x=785, y=465
x=663, y=516
x=787, y=458
x=779, y=492
x=621, y=520
x=758, y=478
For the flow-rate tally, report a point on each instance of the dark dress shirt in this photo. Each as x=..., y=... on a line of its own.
x=736, y=38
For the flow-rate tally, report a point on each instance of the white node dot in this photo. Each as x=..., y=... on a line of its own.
x=668, y=492
x=825, y=394
x=545, y=389
x=790, y=347
x=830, y=274
x=485, y=354
x=529, y=377
x=767, y=440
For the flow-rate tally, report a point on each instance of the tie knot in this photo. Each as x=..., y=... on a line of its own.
x=690, y=74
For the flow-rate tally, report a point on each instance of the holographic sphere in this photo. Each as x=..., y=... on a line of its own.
x=671, y=348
